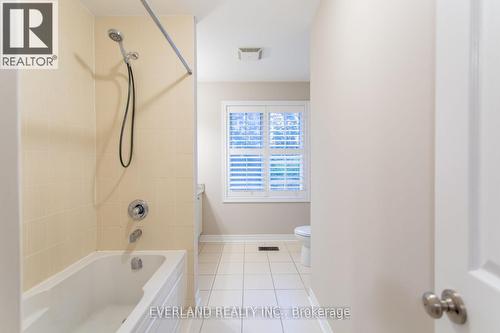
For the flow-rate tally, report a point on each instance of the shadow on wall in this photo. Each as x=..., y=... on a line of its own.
x=209, y=212
x=203, y=9
x=113, y=76
x=145, y=105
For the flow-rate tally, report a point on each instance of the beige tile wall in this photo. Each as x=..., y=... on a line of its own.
x=162, y=169
x=58, y=143
x=75, y=193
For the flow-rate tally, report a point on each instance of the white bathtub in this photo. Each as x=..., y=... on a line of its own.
x=97, y=294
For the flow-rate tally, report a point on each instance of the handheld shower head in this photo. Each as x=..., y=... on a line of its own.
x=117, y=36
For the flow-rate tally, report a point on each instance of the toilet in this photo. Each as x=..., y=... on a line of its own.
x=303, y=233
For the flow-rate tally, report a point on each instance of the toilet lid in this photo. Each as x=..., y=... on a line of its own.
x=304, y=231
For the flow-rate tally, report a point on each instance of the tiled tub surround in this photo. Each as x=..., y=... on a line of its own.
x=97, y=294
x=162, y=168
x=58, y=139
x=237, y=274
x=75, y=193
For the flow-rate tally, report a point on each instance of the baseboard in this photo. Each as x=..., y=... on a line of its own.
x=325, y=325
x=247, y=238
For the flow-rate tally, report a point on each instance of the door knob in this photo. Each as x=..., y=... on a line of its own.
x=451, y=302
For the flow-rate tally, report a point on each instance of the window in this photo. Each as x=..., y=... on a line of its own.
x=266, y=151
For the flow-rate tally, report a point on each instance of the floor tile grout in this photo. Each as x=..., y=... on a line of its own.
x=211, y=287
x=225, y=251
x=275, y=293
x=243, y=287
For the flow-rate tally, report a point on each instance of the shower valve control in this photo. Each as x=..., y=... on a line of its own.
x=138, y=210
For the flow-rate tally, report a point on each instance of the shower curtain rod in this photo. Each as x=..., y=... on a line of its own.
x=167, y=36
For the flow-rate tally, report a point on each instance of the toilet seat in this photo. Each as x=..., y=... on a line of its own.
x=304, y=231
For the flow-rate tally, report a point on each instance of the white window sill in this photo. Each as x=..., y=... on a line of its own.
x=265, y=200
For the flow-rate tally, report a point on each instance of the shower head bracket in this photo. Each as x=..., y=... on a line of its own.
x=132, y=55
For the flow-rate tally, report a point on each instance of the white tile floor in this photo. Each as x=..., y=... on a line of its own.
x=237, y=274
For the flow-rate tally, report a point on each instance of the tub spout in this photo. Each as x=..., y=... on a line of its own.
x=136, y=263
x=135, y=235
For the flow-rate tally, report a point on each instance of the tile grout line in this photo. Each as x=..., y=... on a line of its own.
x=275, y=293
x=243, y=284
x=212, y=285
x=283, y=249
x=300, y=274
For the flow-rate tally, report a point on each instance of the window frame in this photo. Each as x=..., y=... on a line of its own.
x=266, y=195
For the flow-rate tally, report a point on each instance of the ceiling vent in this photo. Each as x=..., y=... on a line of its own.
x=250, y=53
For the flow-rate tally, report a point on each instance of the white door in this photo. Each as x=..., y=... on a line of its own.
x=467, y=239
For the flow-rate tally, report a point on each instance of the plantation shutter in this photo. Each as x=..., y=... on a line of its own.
x=265, y=151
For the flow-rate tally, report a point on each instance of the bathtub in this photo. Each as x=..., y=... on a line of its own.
x=101, y=293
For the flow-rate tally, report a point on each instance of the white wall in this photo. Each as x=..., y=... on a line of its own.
x=240, y=218
x=372, y=90
x=10, y=246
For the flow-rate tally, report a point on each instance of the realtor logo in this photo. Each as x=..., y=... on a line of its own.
x=28, y=34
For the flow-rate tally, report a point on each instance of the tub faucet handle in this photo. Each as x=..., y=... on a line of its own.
x=138, y=210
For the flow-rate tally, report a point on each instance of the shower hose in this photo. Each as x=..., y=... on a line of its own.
x=130, y=102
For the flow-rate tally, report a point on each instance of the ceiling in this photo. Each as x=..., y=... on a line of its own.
x=280, y=27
